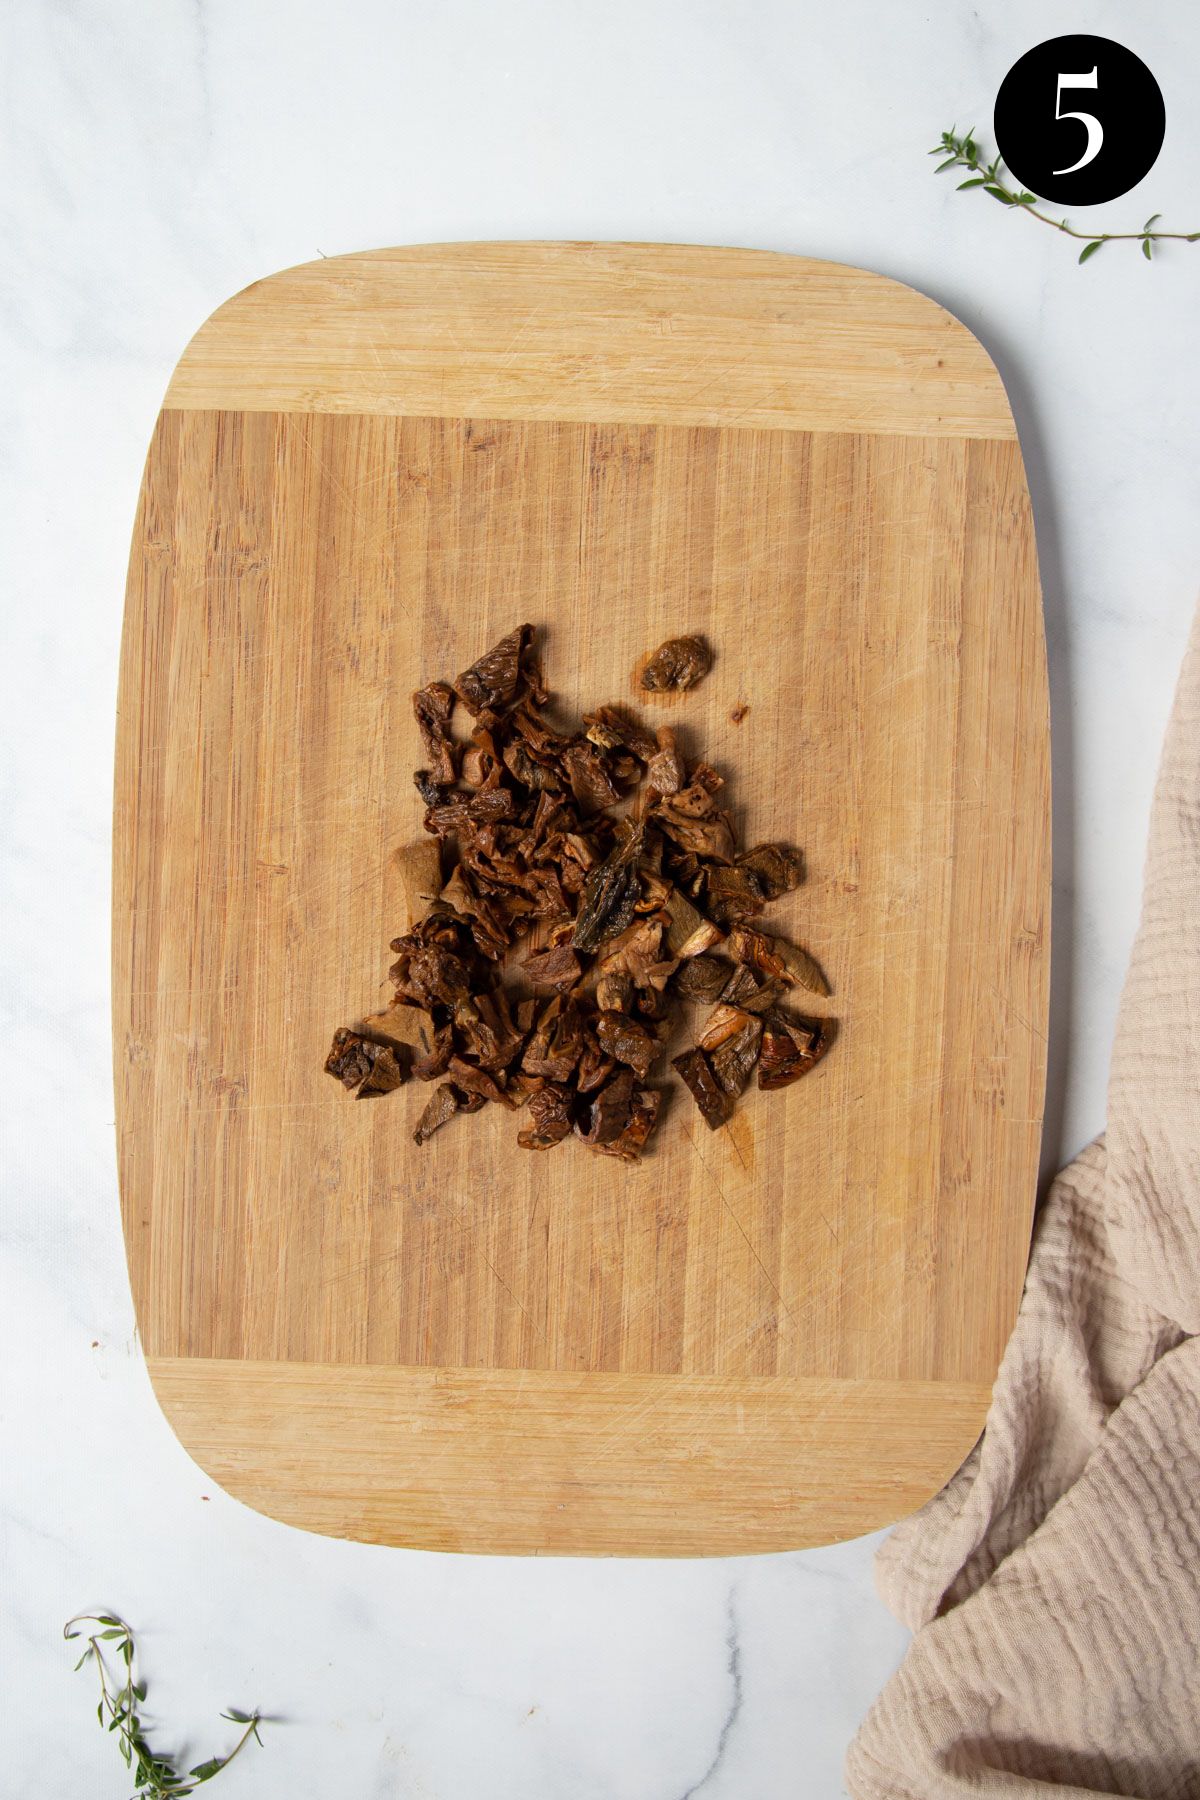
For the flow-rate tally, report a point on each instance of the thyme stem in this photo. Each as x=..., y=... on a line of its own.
x=155, y=1776
x=962, y=152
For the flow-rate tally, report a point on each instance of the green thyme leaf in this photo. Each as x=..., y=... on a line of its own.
x=156, y=1777
x=966, y=151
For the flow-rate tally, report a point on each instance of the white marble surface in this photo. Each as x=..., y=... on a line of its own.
x=157, y=156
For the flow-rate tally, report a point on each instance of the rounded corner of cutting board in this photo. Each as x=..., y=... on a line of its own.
x=233, y=1476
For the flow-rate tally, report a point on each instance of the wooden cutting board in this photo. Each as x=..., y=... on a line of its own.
x=365, y=471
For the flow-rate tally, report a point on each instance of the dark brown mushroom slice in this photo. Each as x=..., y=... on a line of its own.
x=557, y=1042
x=790, y=1048
x=558, y=967
x=472, y=1080
x=594, y=1068
x=410, y=1026
x=485, y=919
x=628, y=1041
x=636, y=953
x=530, y=773
x=687, y=872
x=689, y=932
x=543, y=741
x=656, y=891
x=652, y=1003
x=480, y=765
x=364, y=1067
x=678, y=664
x=438, y=929
x=643, y=1116
x=608, y=1112
x=589, y=776
x=777, y=868
x=610, y=893
x=734, y=1057
x=775, y=956
x=665, y=772
x=731, y=894
x=461, y=811
x=485, y=1030
x=694, y=1067
x=753, y=992
x=614, y=993
x=702, y=978
x=611, y=728
x=705, y=834
x=439, y=1109
x=431, y=976
x=427, y=787
x=550, y=1109
x=493, y=683
x=723, y=1022
x=432, y=707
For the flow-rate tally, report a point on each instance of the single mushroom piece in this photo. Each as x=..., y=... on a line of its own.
x=679, y=663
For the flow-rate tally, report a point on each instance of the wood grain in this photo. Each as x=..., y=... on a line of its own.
x=601, y=333
x=303, y=557
x=525, y=1461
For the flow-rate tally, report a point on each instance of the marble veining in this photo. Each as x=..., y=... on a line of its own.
x=736, y=1697
x=157, y=159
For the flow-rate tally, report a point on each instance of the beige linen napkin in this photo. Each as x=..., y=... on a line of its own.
x=1054, y=1584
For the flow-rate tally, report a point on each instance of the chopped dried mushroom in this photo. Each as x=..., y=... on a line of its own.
x=735, y=1056
x=790, y=1048
x=441, y=1106
x=608, y=1114
x=689, y=932
x=679, y=663
x=696, y=1071
x=775, y=868
x=558, y=967
x=597, y=867
x=399, y=1024
x=364, y=1067
x=643, y=1115
x=550, y=1110
x=773, y=956
x=703, y=978
x=433, y=706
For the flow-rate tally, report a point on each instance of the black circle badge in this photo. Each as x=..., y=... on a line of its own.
x=1079, y=120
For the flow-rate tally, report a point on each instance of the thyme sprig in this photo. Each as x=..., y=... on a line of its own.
x=962, y=152
x=155, y=1776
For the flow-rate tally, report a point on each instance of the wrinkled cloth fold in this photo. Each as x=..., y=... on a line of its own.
x=1053, y=1586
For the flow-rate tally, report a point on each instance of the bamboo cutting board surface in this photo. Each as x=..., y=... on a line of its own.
x=368, y=469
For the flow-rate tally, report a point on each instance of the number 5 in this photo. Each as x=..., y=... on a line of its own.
x=1095, y=129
